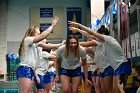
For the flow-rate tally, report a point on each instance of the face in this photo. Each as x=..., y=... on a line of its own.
x=37, y=32
x=73, y=44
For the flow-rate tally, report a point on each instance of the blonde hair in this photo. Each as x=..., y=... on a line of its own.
x=30, y=32
x=67, y=51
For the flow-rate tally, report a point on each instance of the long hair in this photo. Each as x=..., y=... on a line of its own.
x=30, y=32
x=67, y=51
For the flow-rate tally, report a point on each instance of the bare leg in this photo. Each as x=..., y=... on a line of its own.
x=115, y=87
x=97, y=85
x=25, y=84
x=109, y=83
x=75, y=84
x=65, y=80
x=103, y=87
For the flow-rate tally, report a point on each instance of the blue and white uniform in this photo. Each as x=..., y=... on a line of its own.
x=70, y=66
x=115, y=56
x=100, y=60
x=28, y=59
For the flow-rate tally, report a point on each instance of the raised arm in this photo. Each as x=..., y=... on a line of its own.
x=88, y=43
x=51, y=46
x=84, y=28
x=45, y=33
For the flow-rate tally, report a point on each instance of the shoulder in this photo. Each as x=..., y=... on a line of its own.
x=29, y=40
x=82, y=50
x=109, y=39
x=61, y=48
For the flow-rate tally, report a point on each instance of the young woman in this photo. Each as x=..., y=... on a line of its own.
x=90, y=63
x=112, y=51
x=104, y=78
x=41, y=69
x=70, y=70
x=28, y=55
x=46, y=60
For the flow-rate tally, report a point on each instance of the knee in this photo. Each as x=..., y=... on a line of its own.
x=66, y=90
x=97, y=86
x=74, y=90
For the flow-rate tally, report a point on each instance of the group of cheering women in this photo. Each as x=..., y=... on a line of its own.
x=102, y=54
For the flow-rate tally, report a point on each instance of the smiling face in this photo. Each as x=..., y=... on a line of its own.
x=73, y=44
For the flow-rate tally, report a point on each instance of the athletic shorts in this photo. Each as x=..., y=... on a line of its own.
x=24, y=71
x=71, y=72
x=107, y=71
x=48, y=77
x=41, y=84
x=123, y=68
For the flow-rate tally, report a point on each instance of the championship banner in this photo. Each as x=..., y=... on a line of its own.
x=45, y=26
x=46, y=12
x=74, y=14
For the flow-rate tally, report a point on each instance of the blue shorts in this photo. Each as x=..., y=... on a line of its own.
x=24, y=71
x=124, y=68
x=89, y=74
x=41, y=84
x=48, y=77
x=107, y=71
x=71, y=73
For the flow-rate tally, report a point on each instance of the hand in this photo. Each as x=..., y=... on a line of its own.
x=73, y=23
x=87, y=82
x=120, y=86
x=56, y=78
x=63, y=42
x=55, y=20
x=73, y=28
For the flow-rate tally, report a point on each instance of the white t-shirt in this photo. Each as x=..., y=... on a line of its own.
x=43, y=64
x=100, y=58
x=29, y=56
x=72, y=61
x=113, y=52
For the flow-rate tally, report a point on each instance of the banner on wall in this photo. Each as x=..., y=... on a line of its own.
x=74, y=14
x=46, y=12
x=44, y=26
x=42, y=17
